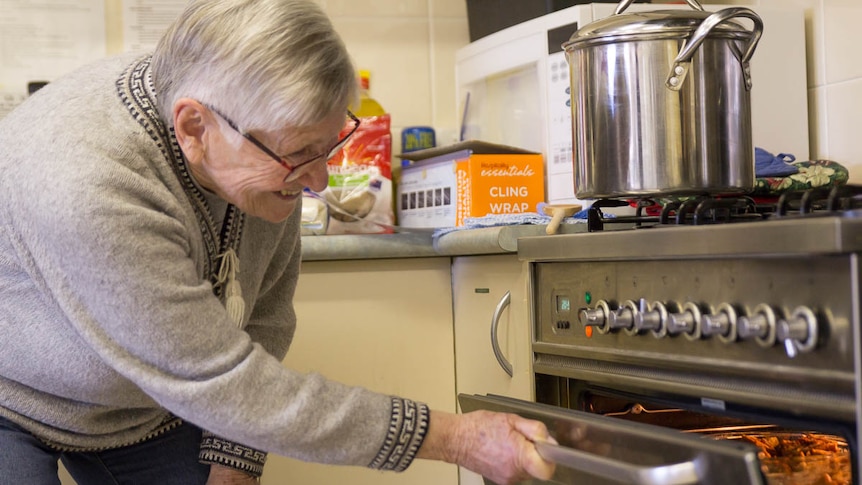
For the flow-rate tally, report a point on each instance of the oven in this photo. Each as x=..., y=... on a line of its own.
x=723, y=352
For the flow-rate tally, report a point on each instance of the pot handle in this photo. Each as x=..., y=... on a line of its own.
x=682, y=63
x=624, y=4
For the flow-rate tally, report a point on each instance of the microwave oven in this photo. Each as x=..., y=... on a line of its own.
x=512, y=87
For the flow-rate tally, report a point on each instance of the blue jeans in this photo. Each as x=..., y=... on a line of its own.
x=169, y=459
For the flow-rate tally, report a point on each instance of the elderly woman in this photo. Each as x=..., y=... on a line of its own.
x=133, y=190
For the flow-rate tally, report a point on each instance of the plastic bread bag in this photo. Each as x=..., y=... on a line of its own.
x=359, y=193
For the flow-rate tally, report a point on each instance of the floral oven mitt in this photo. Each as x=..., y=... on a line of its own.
x=811, y=174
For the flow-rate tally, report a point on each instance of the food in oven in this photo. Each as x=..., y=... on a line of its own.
x=786, y=457
x=792, y=458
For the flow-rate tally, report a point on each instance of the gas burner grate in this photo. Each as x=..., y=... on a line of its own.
x=596, y=219
x=819, y=201
x=704, y=209
x=695, y=210
x=710, y=210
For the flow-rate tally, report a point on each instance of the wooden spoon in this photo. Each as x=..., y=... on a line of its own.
x=557, y=213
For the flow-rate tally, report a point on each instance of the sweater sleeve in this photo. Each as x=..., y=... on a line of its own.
x=407, y=429
x=408, y=426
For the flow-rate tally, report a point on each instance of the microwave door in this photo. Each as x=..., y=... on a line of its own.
x=603, y=450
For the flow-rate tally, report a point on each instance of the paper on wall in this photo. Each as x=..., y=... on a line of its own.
x=41, y=40
x=144, y=22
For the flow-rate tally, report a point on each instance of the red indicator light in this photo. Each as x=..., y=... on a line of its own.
x=588, y=331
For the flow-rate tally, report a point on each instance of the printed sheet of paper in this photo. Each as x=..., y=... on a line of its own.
x=41, y=40
x=144, y=22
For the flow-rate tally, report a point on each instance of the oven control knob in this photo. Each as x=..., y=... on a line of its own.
x=722, y=323
x=799, y=332
x=623, y=318
x=596, y=317
x=652, y=317
x=686, y=322
x=760, y=326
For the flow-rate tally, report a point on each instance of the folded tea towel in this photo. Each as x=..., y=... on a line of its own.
x=492, y=220
x=769, y=165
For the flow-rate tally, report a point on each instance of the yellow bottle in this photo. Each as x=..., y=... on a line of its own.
x=368, y=106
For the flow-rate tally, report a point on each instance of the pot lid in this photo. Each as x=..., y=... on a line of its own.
x=651, y=25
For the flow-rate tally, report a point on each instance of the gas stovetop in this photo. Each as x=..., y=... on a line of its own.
x=798, y=223
x=706, y=209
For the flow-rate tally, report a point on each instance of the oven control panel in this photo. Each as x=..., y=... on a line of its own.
x=796, y=333
x=745, y=315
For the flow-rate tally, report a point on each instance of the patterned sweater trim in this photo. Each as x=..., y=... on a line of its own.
x=407, y=429
x=219, y=451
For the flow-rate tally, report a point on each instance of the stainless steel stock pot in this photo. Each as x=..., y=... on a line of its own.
x=661, y=102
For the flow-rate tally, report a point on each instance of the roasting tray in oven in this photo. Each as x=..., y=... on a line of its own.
x=795, y=458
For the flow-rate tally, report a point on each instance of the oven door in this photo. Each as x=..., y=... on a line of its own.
x=601, y=450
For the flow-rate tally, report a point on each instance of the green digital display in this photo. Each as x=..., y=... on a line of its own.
x=564, y=304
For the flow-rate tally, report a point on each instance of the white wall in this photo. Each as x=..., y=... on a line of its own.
x=409, y=46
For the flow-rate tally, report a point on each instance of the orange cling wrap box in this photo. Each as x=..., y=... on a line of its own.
x=445, y=185
x=359, y=193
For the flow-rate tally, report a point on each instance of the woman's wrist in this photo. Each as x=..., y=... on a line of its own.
x=441, y=442
x=222, y=475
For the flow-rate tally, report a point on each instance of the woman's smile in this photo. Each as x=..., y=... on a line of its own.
x=289, y=194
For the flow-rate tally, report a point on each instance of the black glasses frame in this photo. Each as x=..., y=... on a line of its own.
x=281, y=160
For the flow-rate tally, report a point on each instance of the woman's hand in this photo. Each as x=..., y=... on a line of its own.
x=498, y=446
x=220, y=475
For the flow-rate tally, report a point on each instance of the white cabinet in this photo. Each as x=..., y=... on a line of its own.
x=480, y=286
x=382, y=324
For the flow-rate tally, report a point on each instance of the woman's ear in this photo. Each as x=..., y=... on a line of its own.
x=191, y=121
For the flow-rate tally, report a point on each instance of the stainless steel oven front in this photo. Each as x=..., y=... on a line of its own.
x=716, y=355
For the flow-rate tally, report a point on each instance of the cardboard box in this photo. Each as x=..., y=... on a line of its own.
x=444, y=185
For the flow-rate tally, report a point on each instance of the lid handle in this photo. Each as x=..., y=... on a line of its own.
x=624, y=4
x=682, y=63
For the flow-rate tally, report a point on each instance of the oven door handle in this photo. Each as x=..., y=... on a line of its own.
x=495, y=345
x=684, y=473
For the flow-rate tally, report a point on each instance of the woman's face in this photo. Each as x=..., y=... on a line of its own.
x=242, y=173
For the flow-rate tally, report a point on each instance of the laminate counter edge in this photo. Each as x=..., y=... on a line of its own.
x=485, y=240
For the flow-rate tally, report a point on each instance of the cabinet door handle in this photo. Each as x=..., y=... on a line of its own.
x=495, y=345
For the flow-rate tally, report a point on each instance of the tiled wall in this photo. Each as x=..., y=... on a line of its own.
x=409, y=45
x=834, y=80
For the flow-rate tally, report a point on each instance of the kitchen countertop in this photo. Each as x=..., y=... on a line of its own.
x=420, y=244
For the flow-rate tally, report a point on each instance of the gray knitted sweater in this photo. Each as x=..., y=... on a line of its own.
x=110, y=328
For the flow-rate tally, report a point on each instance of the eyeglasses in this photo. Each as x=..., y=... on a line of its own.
x=294, y=168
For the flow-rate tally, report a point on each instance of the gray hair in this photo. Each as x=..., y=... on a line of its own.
x=265, y=63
